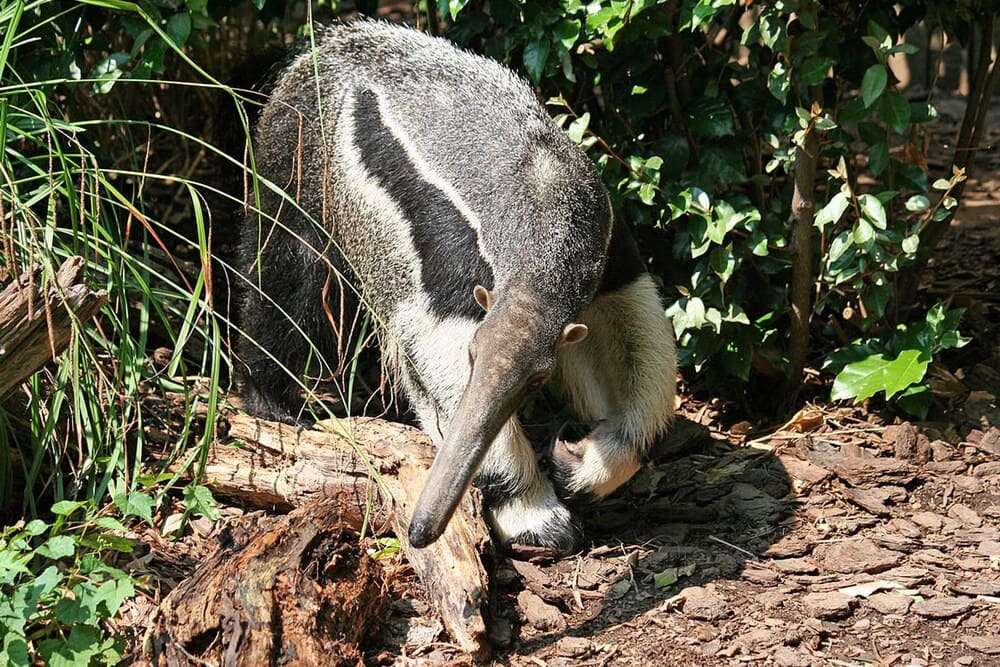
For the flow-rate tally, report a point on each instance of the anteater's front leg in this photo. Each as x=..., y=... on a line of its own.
x=522, y=505
x=620, y=379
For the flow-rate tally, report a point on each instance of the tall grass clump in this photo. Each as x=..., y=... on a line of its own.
x=90, y=167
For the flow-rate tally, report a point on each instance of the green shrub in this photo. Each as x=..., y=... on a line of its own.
x=56, y=591
x=700, y=122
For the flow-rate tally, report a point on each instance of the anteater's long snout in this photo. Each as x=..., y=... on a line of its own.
x=452, y=472
x=484, y=408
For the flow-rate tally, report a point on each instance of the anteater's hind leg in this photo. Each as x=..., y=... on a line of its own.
x=621, y=379
x=292, y=315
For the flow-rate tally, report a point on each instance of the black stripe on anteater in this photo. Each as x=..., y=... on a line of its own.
x=450, y=262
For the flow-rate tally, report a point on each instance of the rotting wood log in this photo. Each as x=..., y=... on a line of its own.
x=267, y=464
x=271, y=465
x=36, y=319
x=295, y=589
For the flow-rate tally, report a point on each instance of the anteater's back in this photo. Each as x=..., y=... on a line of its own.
x=433, y=170
x=418, y=118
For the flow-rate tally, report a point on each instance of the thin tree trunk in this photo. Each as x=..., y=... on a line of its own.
x=803, y=213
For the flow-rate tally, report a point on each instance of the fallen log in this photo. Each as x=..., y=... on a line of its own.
x=371, y=471
x=296, y=589
x=37, y=316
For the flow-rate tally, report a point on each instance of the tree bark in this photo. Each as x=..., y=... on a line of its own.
x=372, y=471
x=37, y=317
x=296, y=589
x=803, y=215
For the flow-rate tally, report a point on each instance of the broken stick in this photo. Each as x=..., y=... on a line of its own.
x=37, y=316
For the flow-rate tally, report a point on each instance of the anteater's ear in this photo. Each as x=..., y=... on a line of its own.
x=573, y=333
x=483, y=297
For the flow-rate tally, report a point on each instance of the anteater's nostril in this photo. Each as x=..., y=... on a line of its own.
x=422, y=533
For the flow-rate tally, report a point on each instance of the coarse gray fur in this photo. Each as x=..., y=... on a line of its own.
x=427, y=170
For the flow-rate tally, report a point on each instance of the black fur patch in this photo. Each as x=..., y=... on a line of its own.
x=496, y=488
x=450, y=261
x=624, y=261
x=562, y=539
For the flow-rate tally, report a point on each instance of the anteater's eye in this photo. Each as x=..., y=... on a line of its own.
x=536, y=382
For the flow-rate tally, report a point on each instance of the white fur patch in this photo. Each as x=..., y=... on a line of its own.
x=607, y=463
x=622, y=374
x=438, y=353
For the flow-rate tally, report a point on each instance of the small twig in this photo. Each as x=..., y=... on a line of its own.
x=733, y=546
x=796, y=436
x=576, y=579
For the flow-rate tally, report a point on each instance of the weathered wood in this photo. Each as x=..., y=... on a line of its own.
x=296, y=589
x=36, y=319
x=266, y=464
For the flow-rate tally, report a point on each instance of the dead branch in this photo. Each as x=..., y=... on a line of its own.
x=266, y=464
x=37, y=318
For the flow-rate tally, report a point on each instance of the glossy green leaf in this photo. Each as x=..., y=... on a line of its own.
x=853, y=112
x=916, y=400
x=647, y=193
x=578, y=127
x=863, y=379
x=723, y=262
x=873, y=84
x=695, y=310
x=566, y=32
x=840, y=244
x=179, y=28
x=832, y=212
x=917, y=203
x=895, y=111
x=779, y=82
x=864, y=233
x=452, y=7
x=708, y=117
x=536, y=54
x=873, y=210
x=814, y=69
x=878, y=158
